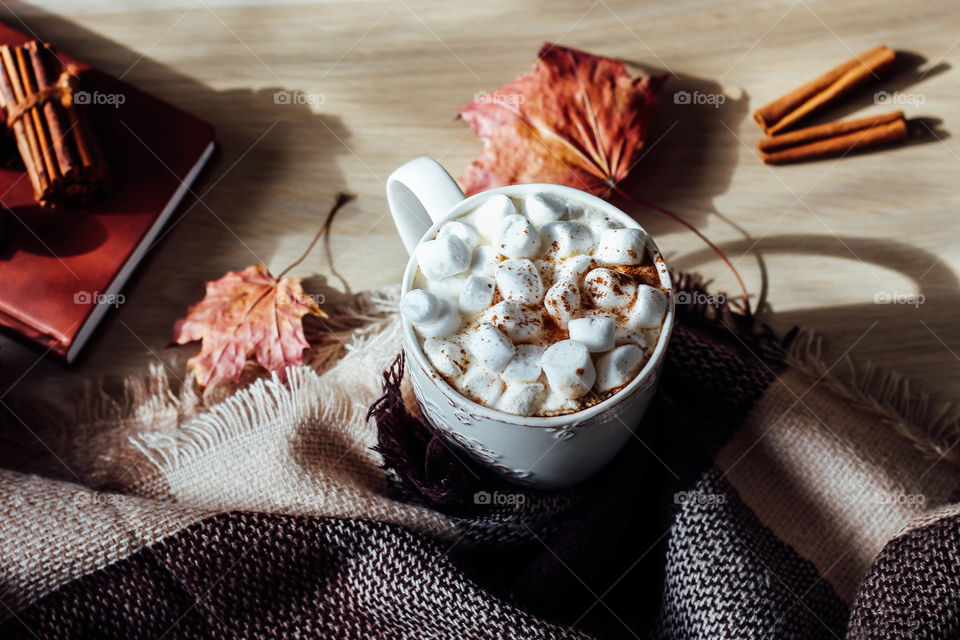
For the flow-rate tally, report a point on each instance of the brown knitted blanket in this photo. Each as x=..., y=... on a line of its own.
x=768, y=494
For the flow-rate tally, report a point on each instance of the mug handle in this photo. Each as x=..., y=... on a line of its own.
x=419, y=193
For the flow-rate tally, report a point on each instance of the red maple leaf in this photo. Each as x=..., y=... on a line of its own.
x=246, y=314
x=251, y=314
x=577, y=119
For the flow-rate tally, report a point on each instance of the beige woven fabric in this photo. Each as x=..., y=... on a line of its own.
x=45, y=520
x=819, y=471
x=301, y=447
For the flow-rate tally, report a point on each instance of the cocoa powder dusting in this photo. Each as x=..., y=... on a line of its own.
x=552, y=332
x=641, y=273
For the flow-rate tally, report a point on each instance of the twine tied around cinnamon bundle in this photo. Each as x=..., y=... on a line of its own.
x=63, y=90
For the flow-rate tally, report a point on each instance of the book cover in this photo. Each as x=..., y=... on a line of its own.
x=61, y=270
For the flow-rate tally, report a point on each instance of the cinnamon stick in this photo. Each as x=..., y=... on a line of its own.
x=788, y=110
x=7, y=101
x=12, y=75
x=43, y=140
x=56, y=123
x=823, y=131
x=810, y=144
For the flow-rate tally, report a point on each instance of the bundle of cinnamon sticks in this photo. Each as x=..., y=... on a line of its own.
x=834, y=138
x=59, y=151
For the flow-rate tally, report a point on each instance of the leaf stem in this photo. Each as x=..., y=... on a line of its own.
x=695, y=231
x=341, y=199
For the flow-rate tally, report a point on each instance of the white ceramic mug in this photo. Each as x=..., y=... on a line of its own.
x=545, y=452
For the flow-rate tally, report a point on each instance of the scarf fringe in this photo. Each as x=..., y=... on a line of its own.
x=932, y=428
x=260, y=403
x=308, y=395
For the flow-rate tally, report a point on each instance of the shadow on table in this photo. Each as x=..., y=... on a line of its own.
x=903, y=317
x=690, y=152
x=889, y=92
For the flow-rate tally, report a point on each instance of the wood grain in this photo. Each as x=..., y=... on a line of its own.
x=387, y=77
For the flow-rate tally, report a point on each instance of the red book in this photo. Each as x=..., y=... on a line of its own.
x=62, y=270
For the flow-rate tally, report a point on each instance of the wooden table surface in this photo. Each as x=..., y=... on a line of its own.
x=385, y=77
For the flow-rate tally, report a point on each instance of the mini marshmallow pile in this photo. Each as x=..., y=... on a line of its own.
x=529, y=311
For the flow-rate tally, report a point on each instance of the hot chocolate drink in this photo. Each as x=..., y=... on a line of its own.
x=536, y=306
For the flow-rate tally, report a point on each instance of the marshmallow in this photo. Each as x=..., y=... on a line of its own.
x=447, y=357
x=525, y=365
x=447, y=287
x=600, y=313
x=574, y=267
x=481, y=385
x=569, y=369
x=519, y=281
x=591, y=216
x=461, y=230
x=485, y=261
x=609, y=289
x=562, y=301
x=547, y=267
x=622, y=333
x=625, y=335
x=487, y=216
x=542, y=208
x=491, y=348
x=596, y=333
x=522, y=398
x=647, y=310
x=446, y=323
x=566, y=238
x=477, y=294
x=575, y=211
x=419, y=305
x=621, y=246
x=520, y=323
x=516, y=237
x=443, y=257
x=618, y=367
x=599, y=225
